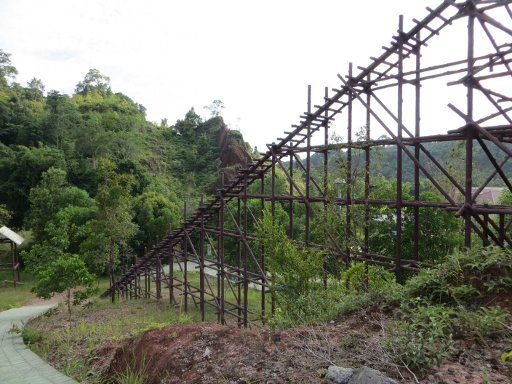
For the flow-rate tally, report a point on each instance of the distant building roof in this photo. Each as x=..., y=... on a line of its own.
x=489, y=195
x=6, y=233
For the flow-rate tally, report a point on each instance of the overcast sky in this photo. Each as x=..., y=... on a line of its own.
x=255, y=56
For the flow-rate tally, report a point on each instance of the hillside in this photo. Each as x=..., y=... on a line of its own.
x=450, y=154
x=58, y=145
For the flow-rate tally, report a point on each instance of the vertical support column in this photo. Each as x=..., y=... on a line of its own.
x=264, y=286
x=145, y=277
x=417, y=120
x=18, y=264
x=13, y=261
x=399, y=197
x=240, y=247
x=367, y=165
x=291, y=204
x=502, y=230
x=146, y=283
x=308, y=174
x=326, y=174
x=244, y=253
x=158, y=278
x=220, y=252
x=468, y=201
x=201, y=261
x=348, y=211
x=148, y=269
x=136, y=282
x=273, y=208
x=185, y=262
x=171, y=273
x=486, y=229
x=273, y=182
x=326, y=144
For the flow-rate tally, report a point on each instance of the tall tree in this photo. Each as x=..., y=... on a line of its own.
x=113, y=226
x=49, y=197
x=94, y=80
x=7, y=70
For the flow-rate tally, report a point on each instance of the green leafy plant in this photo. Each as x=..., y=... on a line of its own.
x=31, y=335
x=361, y=277
x=418, y=345
x=464, y=277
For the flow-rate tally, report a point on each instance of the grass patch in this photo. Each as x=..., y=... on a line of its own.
x=11, y=297
x=72, y=347
x=132, y=375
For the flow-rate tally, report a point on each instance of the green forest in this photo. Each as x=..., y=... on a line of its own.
x=88, y=175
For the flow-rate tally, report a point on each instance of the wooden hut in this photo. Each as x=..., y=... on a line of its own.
x=10, y=237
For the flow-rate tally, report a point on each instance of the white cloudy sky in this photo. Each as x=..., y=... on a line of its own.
x=255, y=56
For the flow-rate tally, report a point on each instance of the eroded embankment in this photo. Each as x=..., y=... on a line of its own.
x=212, y=353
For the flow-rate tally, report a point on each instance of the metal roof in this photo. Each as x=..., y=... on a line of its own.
x=6, y=233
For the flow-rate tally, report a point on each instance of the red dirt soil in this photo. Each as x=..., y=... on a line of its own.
x=212, y=353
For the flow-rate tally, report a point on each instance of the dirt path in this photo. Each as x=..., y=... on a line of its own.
x=56, y=299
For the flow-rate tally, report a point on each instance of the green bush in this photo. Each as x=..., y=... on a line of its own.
x=363, y=277
x=442, y=304
x=485, y=322
x=31, y=335
x=425, y=332
x=464, y=277
x=316, y=306
x=320, y=306
x=419, y=345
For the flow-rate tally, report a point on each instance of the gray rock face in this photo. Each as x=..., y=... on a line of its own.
x=339, y=375
x=363, y=375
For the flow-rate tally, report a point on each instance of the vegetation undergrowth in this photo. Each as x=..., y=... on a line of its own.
x=450, y=302
x=134, y=373
x=457, y=300
x=78, y=347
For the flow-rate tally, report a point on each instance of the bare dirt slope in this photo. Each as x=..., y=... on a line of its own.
x=211, y=353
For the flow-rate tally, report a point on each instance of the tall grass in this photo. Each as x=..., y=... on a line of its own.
x=132, y=374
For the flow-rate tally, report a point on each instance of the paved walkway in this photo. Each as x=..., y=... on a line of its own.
x=194, y=266
x=19, y=365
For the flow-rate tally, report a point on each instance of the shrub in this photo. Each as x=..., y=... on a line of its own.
x=465, y=277
x=485, y=322
x=362, y=277
x=425, y=332
x=31, y=335
x=316, y=306
x=419, y=345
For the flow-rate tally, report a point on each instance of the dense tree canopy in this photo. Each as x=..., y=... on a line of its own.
x=89, y=175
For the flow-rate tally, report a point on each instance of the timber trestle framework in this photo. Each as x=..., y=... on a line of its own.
x=395, y=95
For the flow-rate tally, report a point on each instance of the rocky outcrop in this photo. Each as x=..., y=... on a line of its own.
x=232, y=147
x=233, y=153
x=363, y=375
